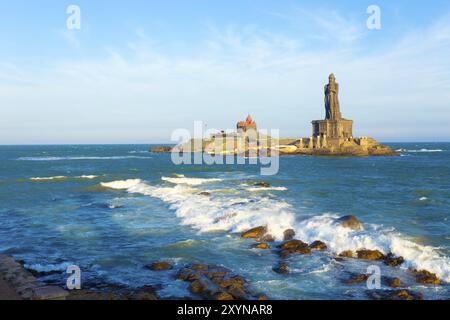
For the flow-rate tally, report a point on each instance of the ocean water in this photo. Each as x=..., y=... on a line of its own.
x=111, y=209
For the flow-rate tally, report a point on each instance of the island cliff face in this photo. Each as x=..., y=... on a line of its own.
x=332, y=136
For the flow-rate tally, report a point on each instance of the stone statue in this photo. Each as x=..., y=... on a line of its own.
x=332, y=107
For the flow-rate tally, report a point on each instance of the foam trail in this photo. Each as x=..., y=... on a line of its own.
x=79, y=158
x=239, y=214
x=189, y=181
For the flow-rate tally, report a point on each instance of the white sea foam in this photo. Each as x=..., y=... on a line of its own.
x=189, y=181
x=257, y=189
x=48, y=178
x=63, y=177
x=49, y=267
x=237, y=214
x=79, y=158
x=423, y=199
x=419, y=150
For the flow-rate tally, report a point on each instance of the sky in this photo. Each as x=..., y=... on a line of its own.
x=136, y=71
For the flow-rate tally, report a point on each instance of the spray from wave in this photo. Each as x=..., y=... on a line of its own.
x=237, y=214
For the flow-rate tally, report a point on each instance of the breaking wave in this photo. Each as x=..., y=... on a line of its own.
x=79, y=158
x=420, y=150
x=189, y=181
x=237, y=214
x=90, y=177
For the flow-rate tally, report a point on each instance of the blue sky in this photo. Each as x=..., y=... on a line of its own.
x=137, y=70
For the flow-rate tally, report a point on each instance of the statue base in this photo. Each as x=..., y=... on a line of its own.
x=340, y=128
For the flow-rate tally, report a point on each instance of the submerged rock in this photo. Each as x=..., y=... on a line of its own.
x=350, y=222
x=393, y=282
x=159, y=266
x=358, y=278
x=254, y=232
x=288, y=234
x=426, y=277
x=394, y=295
x=204, y=193
x=318, y=245
x=267, y=238
x=392, y=260
x=263, y=184
x=369, y=254
x=262, y=245
x=282, y=268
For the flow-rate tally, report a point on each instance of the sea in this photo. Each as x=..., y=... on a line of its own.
x=112, y=209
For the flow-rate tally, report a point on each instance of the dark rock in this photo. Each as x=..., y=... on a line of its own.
x=263, y=297
x=263, y=184
x=238, y=293
x=426, y=277
x=204, y=193
x=346, y=254
x=357, y=279
x=393, y=282
x=198, y=286
x=392, y=260
x=405, y=295
x=254, y=232
x=235, y=281
x=351, y=222
x=187, y=274
x=292, y=244
x=223, y=296
x=318, y=245
x=262, y=245
x=267, y=238
x=288, y=234
x=159, y=266
x=282, y=268
x=369, y=254
x=198, y=266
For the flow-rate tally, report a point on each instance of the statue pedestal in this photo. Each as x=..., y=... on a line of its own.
x=341, y=128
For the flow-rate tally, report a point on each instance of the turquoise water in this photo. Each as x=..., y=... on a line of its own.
x=111, y=209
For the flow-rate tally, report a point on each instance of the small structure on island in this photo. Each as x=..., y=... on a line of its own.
x=248, y=124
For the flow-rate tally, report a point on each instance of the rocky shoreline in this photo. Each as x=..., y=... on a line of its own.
x=216, y=282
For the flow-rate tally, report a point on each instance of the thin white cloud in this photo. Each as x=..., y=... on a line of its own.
x=140, y=94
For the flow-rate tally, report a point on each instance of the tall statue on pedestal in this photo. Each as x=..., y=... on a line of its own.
x=332, y=108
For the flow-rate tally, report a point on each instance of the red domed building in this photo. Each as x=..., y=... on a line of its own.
x=248, y=124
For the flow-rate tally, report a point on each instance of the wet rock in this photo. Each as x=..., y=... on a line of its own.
x=394, y=295
x=350, y=222
x=187, y=274
x=263, y=297
x=426, y=277
x=262, y=245
x=223, y=296
x=214, y=282
x=198, y=266
x=267, y=238
x=159, y=266
x=288, y=234
x=393, y=282
x=392, y=260
x=346, y=254
x=318, y=245
x=369, y=254
x=282, y=268
x=292, y=244
x=358, y=278
x=263, y=184
x=405, y=295
x=94, y=295
x=204, y=193
x=198, y=286
x=254, y=232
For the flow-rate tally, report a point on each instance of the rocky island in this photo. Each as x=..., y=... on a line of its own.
x=332, y=136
